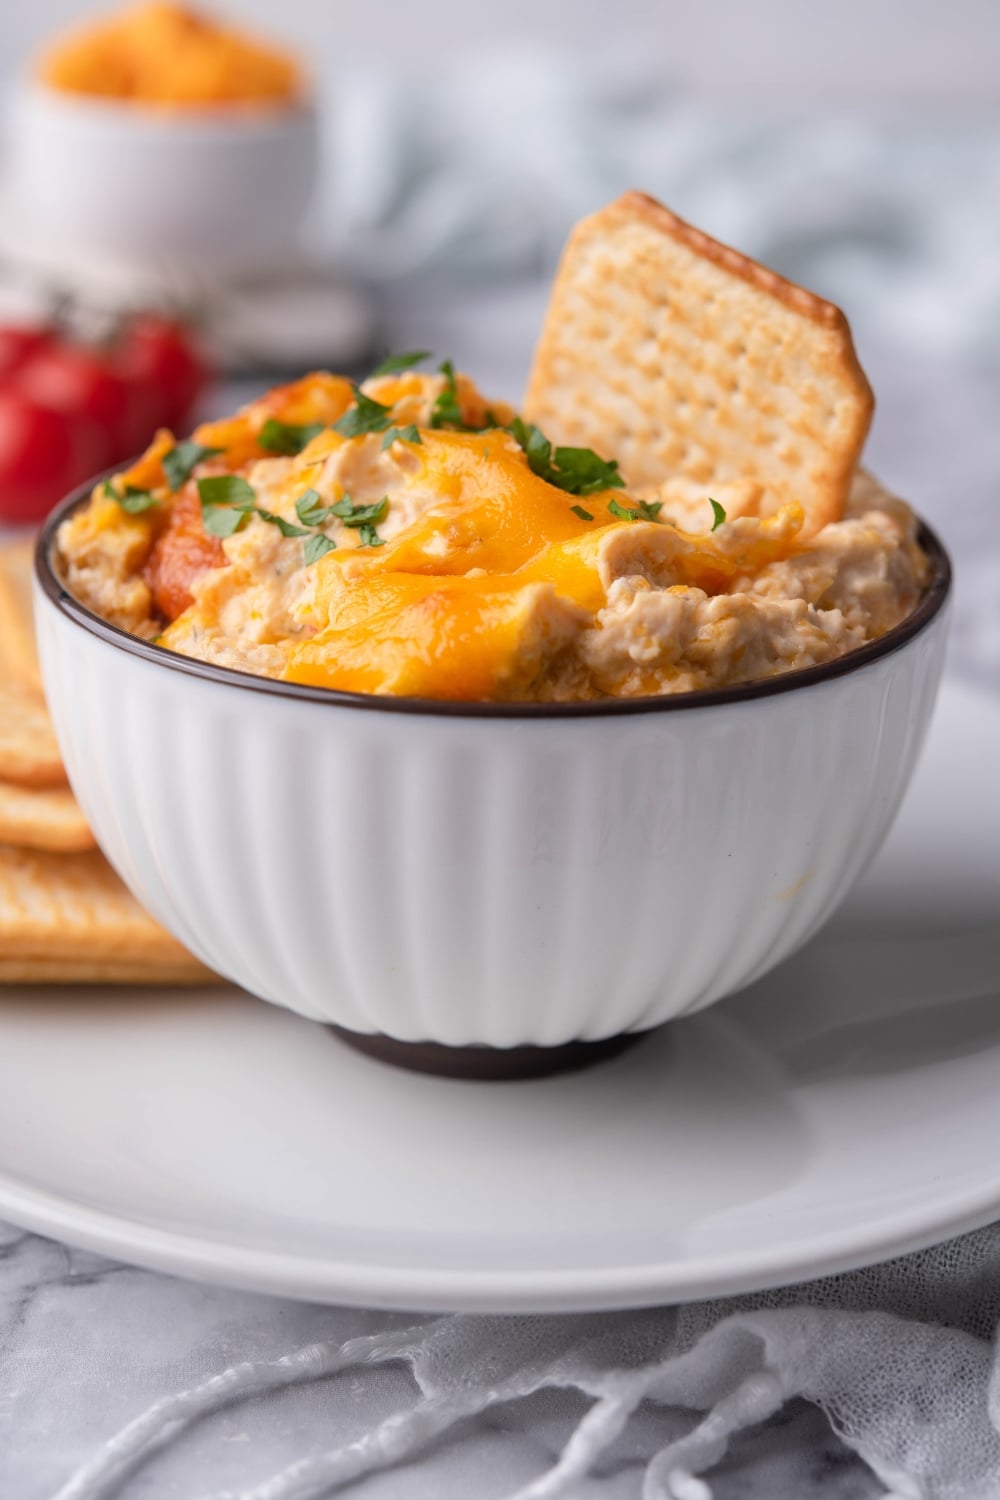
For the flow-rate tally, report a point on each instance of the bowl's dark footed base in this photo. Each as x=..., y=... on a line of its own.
x=487, y=1064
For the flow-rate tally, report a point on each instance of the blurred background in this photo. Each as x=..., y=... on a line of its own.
x=854, y=147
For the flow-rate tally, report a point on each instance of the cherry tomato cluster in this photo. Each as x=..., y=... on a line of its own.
x=68, y=409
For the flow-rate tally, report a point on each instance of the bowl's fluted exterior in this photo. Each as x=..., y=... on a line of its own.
x=499, y=881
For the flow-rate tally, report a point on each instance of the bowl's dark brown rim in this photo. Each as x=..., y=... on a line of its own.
x=928, y=607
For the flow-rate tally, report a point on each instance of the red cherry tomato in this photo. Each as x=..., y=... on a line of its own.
x=159, y=355
x=80, y=382
x=18, y=344
x=43, y=454
x=144, y=417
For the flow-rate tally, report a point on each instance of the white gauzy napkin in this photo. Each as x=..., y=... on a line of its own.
x=901, y=1357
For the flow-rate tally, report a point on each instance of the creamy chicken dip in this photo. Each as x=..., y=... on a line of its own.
x=408, y=537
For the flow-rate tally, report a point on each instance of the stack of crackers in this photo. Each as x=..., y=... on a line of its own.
x=65, y=917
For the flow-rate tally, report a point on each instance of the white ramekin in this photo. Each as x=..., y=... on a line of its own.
x=482, y=874
x=204, y=193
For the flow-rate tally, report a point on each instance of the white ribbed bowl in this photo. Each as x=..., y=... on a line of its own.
x=476, y=874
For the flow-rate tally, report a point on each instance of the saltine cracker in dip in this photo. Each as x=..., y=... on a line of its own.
x=680, y=511
x=698, y=368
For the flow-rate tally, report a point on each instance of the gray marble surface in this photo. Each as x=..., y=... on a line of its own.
x=85, y=1343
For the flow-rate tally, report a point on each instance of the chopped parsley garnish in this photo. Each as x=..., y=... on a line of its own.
x=136, y=500
x=583, y=472
x=394, y=362
x=222, y=520
x=227, y=489
x=578, y=471
x=446, y=411
x=584, y=515
x=365, y=416
x=536, y=446
x=131, y=499
x=447, y=408
x=287, y=528
x=310, y=509
x=407, y=434
x=718, y=514
x=363, y=518
x=181, y=461
x=360, y=516
x=226, y=502
x=623, y=512
x=316, y=547
x=646, y=510
x=285, y=437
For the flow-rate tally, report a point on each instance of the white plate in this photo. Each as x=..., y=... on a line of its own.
x=843, y=1110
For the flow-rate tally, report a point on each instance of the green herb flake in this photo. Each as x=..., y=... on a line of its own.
x=227, y=489
x=369, y=537
x=316, y=547
x=222, y=520
x=285, y=437
x=287, y=528
x=394, y=362
x=310, y=509
x=623, y=512
x=360, y=516
x=131, y=499
x=584, y=515
x=365, y=416
x=226, y=503
x=136, y=500
x=646, y=510
x=577, y=471
x=407, y=434
x=580, y=471
x=447, y=410
x=180, y=462
x=536, y=446
x=718, y=514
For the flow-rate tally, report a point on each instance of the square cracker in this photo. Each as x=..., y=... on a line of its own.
x=74, y=907
x=17, y=623
x=685, y=360
x=84, y=971
x=29, y=753
x=42, y=818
